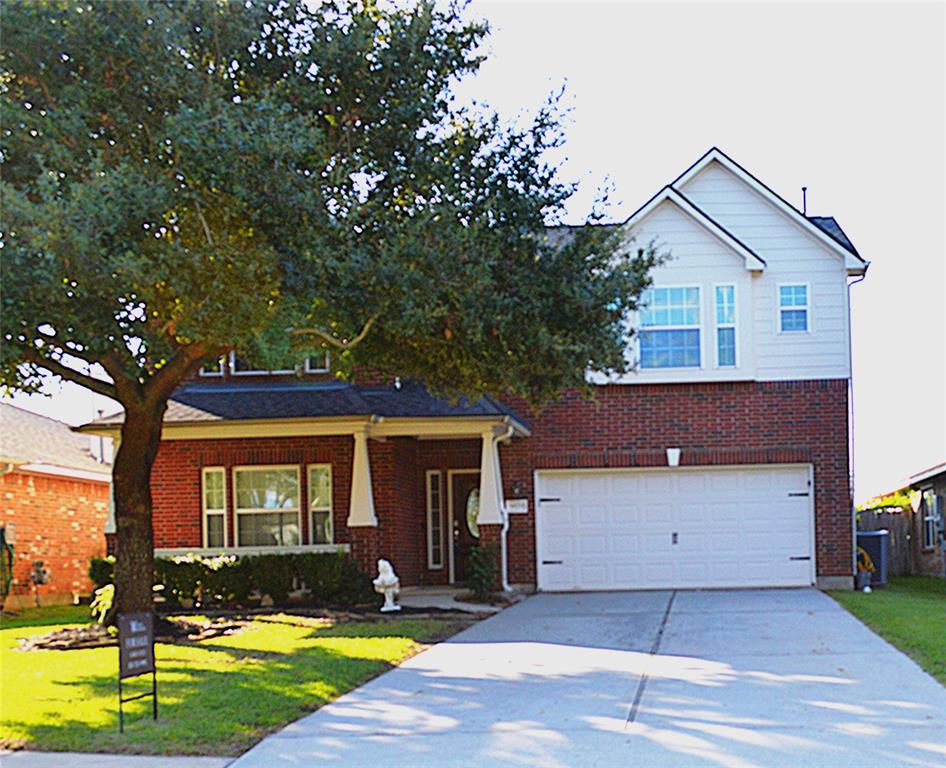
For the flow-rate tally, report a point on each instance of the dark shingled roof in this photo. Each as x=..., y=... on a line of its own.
x=226, y=401
x=830, y=226
x=33, y=439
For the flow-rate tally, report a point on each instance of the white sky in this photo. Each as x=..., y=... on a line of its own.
x=848, y=99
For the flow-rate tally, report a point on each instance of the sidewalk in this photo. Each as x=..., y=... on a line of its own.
x=25, y=759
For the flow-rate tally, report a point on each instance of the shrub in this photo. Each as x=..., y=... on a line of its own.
x=333, y=578
x=272, y=575
x=101, y=570
x=181, y=576
x=324, y=578
x=102, y=604
x=484, y=571
x=226, y=580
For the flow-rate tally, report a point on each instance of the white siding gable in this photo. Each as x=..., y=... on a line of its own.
x=792, y=256
x=704, y=257
x=698, y=258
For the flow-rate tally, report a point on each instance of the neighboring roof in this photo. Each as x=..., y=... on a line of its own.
x=927, y=474
x=842, y=245
x=30, y=439
x=233, y=401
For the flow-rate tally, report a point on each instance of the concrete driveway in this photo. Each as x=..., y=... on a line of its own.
x=739, y=679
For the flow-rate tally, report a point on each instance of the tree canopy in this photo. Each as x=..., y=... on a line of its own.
x=182, y=179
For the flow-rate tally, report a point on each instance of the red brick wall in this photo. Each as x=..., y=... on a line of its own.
x=58, y=520
x=727, y=423
x=624, y=426
x=397, y=473
x=175, y=480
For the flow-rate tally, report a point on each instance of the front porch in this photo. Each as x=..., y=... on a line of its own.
x=424, y=501
x=276, y=467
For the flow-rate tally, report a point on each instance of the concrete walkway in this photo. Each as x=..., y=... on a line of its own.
x=738, y=679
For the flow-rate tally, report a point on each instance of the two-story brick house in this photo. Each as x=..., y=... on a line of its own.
x=722, y=461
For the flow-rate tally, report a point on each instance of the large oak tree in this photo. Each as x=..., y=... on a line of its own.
x=182, y=179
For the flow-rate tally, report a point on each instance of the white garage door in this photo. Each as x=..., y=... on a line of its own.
x=674, y=528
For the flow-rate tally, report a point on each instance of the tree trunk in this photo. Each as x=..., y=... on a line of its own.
x=131, y=479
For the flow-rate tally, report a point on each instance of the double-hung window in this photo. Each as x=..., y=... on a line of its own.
x=793, y=308
x=267, y=506
x=214, y=502
x=670, y=328
x=434, y=519
x=930, y=518
x=726, y=326
x=320, y=503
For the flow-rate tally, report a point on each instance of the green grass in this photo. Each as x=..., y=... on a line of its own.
x=216, y=697
x=910, y=613
x=46, y=616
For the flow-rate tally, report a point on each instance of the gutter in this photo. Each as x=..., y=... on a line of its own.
x=850, y=366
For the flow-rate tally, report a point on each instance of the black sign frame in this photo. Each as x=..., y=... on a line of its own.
x=136, y=657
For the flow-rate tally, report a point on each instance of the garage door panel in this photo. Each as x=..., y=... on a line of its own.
x=588, y=515
x=735, y=527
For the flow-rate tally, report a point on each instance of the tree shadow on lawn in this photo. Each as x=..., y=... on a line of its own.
x=220, y=698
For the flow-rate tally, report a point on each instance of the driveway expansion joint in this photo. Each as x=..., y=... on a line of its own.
x=655, y=648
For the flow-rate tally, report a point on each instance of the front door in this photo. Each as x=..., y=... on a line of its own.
x=465, y=509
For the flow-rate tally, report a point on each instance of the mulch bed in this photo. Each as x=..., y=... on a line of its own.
x=219, y=622
x=166, y=631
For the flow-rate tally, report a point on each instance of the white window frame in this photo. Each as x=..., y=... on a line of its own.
x=203, y=504
x=222, y=364
x=235, y=372
x=779, y=308
x=282, y=510
x=699, y=327
x=431, y=564
x=326, y=364
x=330, y=508
x=930, y=516
x=717, y=326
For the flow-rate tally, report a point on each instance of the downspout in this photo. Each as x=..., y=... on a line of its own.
x=504, y=557
x=850, y=367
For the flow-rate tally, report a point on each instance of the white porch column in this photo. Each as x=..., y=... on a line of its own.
x=491, y=482
x=361, y=509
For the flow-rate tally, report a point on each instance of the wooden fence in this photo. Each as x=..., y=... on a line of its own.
x=900, y=524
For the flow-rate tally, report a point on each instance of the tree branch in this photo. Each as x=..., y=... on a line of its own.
x=335, y=342
x=200, y=215
x=184, y=362
x=70, y=374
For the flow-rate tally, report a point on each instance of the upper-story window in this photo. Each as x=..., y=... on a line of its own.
x=670, y=328
x=214, y=369
x=725, y=326
x=793, y=308
x=238, y=366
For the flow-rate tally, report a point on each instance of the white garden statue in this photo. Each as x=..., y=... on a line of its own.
x=387, y=584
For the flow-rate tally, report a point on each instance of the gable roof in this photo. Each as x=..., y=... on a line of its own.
x=823, y=231
x=201, y=402
x=37, y=442
x=753, y=261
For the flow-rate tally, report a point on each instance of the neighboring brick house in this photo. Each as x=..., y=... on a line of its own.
x=929, y=522
x=55, y=495
x=722, y=461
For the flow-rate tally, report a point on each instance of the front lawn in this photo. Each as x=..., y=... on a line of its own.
x=910, y=613
x=216, y=697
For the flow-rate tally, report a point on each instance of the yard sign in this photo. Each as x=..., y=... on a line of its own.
x=136, y=657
